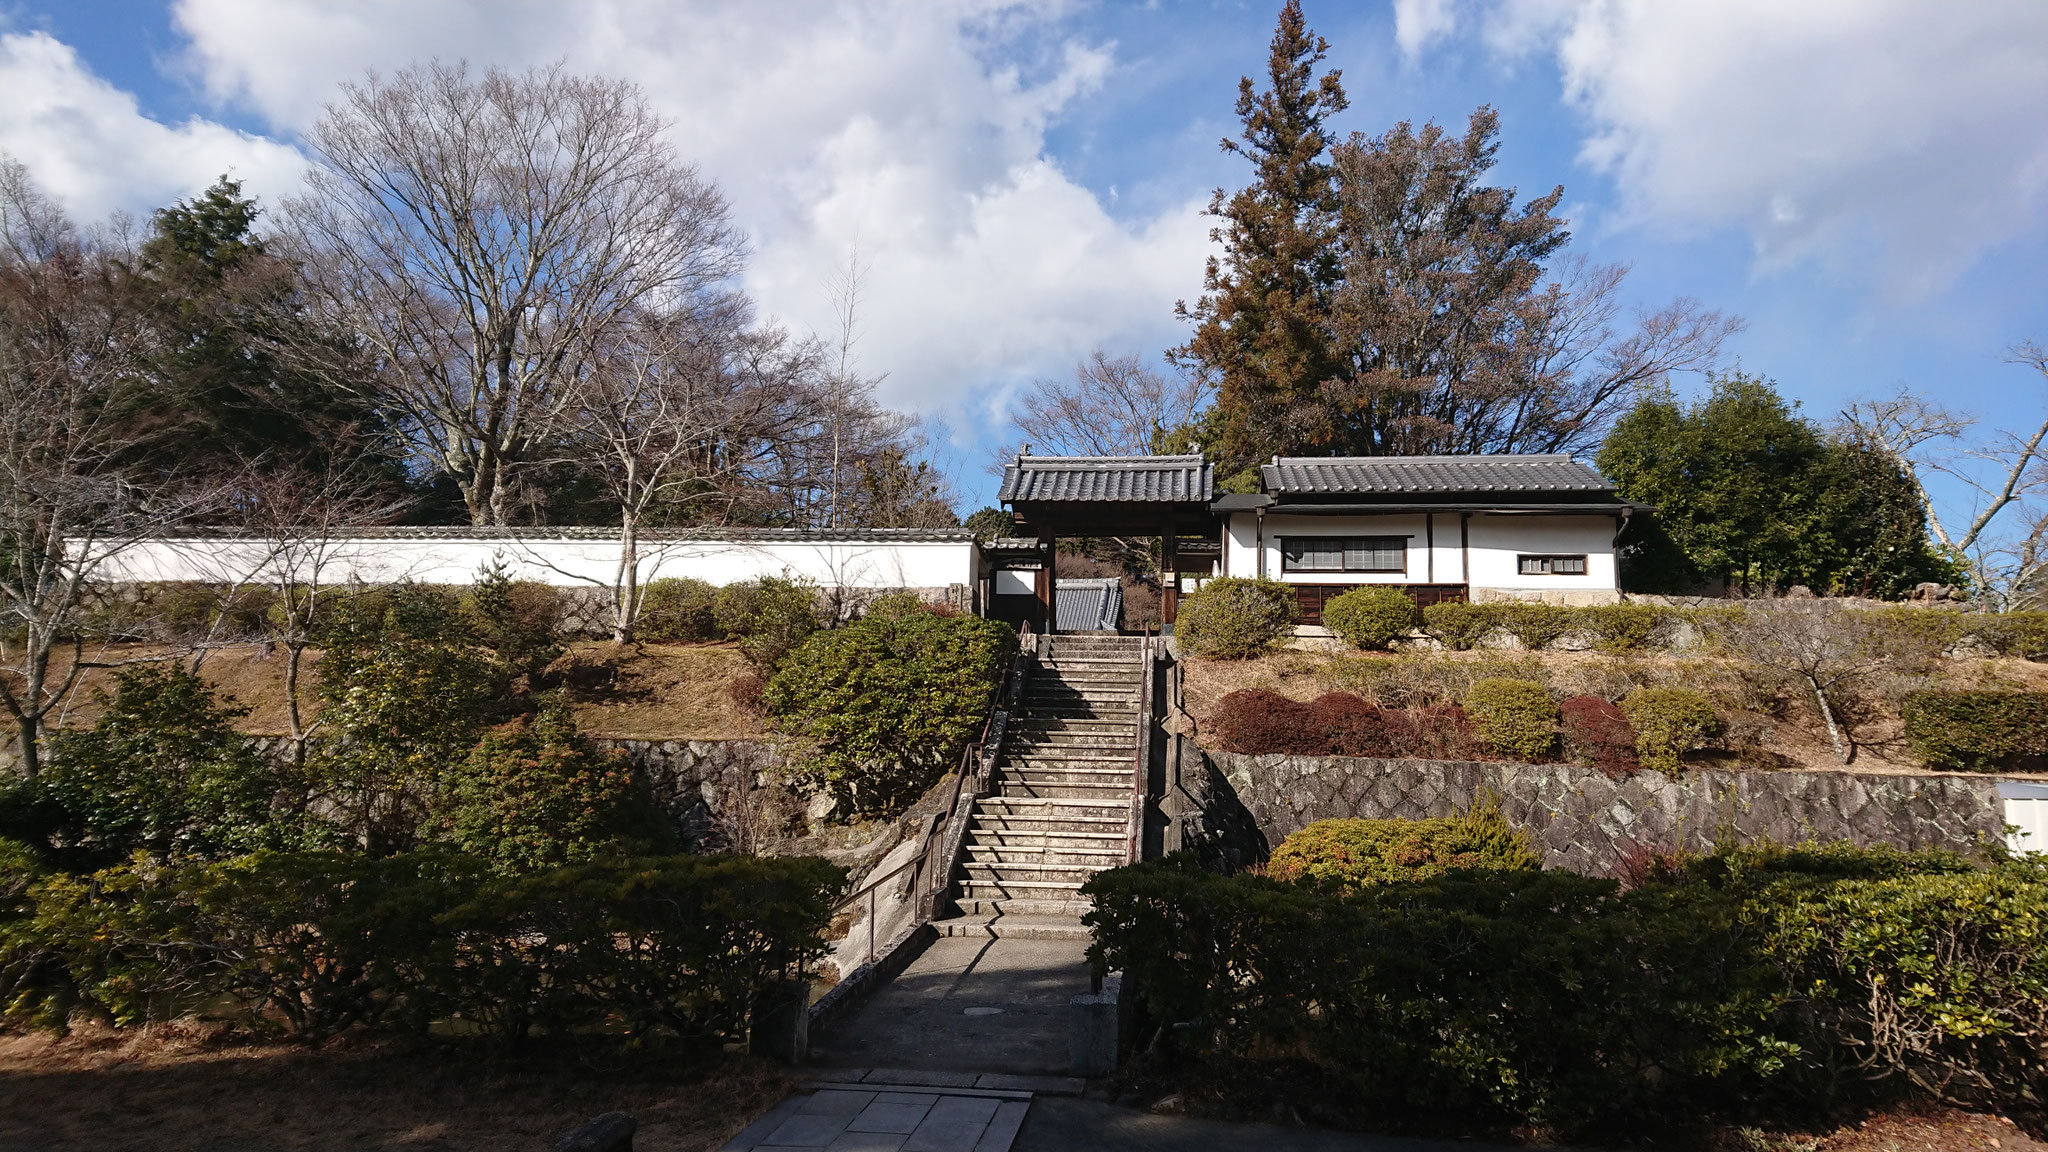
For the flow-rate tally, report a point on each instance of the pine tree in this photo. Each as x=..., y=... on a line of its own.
x=1261, y=329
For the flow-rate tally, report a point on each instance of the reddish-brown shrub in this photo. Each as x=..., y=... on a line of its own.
x=1432, y=732
x=1257, y=720
x=1353, y=726
x=745, y=693
x=1597, y=733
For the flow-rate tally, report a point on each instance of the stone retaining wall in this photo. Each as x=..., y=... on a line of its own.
x=701, y=783
x=1235, y=807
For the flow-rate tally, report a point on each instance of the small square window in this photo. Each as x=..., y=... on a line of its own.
x=1551, y=565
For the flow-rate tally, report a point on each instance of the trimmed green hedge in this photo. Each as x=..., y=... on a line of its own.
x=1765, y=985
x=1670, y=722
x=1977, y=730
x=1370, y=616
x=678, y=609
x=646, y=951
x=1352, y=853
x=1236, y=618
x=1461, y=626
x=1517, y=717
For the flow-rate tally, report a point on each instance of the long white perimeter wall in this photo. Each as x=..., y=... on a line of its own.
x=864, y=560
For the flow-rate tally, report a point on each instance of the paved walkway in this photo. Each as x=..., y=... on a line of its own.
x=857, y=1118
x=1056, y=1125
x=974, y=1004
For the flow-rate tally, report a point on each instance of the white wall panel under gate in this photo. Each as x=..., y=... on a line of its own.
x=2026, y=810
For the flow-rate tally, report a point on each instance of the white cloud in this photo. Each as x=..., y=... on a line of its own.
x=916, y=133
x=87, y=144
x=1421, y=23
x=1888, y=139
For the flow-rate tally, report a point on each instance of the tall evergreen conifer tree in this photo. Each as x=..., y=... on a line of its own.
x=1260, y=324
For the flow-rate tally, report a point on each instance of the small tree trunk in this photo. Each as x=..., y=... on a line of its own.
x=291, y=705
x=25, y=742
x=1836, y=737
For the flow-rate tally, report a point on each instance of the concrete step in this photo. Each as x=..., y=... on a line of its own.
x=1040, y=756
x=1046, y=837
x=1099, y=856
x=1002, y=925
x=1082, y=809
x=1126, y=723
x=1062, y=791
x=1084, y=770
x=1025, y=906
x=996, y=888
x=1072, y=738
x=978, y=872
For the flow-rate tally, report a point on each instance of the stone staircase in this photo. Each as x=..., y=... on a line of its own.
x=1058, y=808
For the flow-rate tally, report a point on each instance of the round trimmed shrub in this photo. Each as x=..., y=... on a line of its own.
x=1516, y=717
x=1236, y=618
x=1359, y=853
x=1460, y=627
x=1370, y=615
x=1597, y=733
x=1670, y=722
x=678, y=610
x=1537, y=626
x=1977, y=730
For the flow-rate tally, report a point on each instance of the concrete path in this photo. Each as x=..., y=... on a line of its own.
x=969, y=1004
x=1055, y=1125
x=905, y=1120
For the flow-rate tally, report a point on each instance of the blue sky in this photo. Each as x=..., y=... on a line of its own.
x=1865, y=181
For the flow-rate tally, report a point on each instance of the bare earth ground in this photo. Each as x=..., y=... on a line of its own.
x=173, y=1089
x=1782, y=728
x=650, y=691
x=1941, y=1131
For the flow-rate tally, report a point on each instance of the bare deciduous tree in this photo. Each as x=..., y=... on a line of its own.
x=1110, y=406
x=475, y=235
x=1924, y=437
x=1828, y=647
x=68, y=345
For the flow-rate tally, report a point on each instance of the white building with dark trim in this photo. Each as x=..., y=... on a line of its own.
x=1445, y=528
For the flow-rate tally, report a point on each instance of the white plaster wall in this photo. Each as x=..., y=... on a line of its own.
x=565, y=563
x=1495, y=543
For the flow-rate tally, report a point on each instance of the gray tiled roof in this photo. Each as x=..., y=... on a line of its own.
x=1087, y=605
x=1376, y=475
x=1141, y=479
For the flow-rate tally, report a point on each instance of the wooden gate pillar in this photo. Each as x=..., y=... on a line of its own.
x=1169, y=573
x=1048, y=552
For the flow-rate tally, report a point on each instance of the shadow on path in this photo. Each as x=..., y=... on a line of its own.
x=1055, y=1124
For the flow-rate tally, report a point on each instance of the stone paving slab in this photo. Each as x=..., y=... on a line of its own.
x=842, y=1118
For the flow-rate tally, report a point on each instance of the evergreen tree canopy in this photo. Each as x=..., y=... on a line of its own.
x=1749, y=492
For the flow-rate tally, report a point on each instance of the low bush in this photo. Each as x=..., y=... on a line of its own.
x=1598, y=734
x=678, y=610
x=1516, y=717
x=1370, y=616
x=1537, y=626
x=1670, y=722
x=885, y=703
x=642, y=951
x=2023, y=634
x=1236, y=618
x=1977, y=730
x=1460, y=627
x=1259, y=721
x=769, y=617
x=538, y=793
x=1777, y=985
x=1625, y=627
x=1353, y=853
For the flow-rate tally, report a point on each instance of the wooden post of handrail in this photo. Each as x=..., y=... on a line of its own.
x=1141, y=769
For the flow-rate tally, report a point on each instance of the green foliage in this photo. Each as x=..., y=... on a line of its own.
x=1748, y=491
x=359, y=619
x=1538, y=626
x=645, y=950
x=1354, y=853
x=885, y=703
x=535, y=794
x=2013, y=633
x=1236, y=618
x=162, y=771
x=991, y=523
x=1977, y=730
x=399, y=714
x=652, y=951
x=1670, y=722
x=1370, y=616
x=678, y=609
x=1624, y=627
x=1767, y=982
x=520, y=621
x=1262, y=324
x=1460, y=627
x=769, y=617
x=1517, y=717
